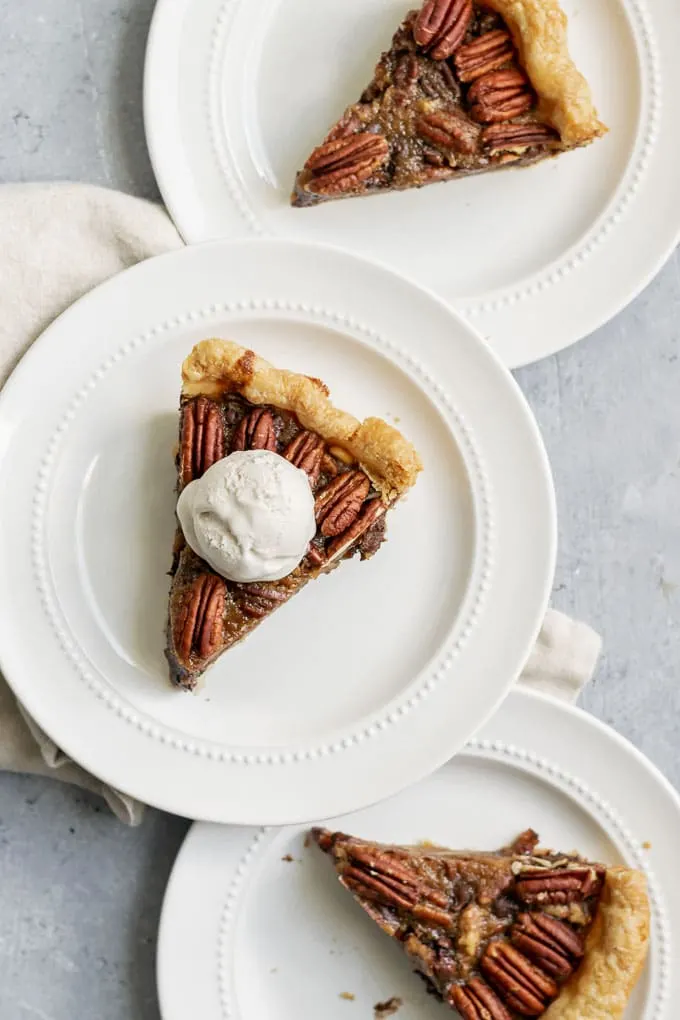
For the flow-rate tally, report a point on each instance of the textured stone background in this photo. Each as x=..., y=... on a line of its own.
x=81, y=894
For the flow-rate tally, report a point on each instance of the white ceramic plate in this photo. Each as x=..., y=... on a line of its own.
x=412, y=649
x=246, y=934
x=238, y=93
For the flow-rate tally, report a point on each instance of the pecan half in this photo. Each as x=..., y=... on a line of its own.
x=197, y=626
x=343, y=163
x=372, y=888
x=338, y=504
x=517, y=136
x=476, y=1001
x=255, y=431
x=449, y=131
x=344, y=153
x=441, y=26
x=554, y=946
x=306, y=452
x=500, y=95
x=259, y=600
x=557, y=933
x=486, y=53
x=524, y=987
x=378, y=876
x=201, y=438
x=558, y=886
x=372, y=512
x=341, y=181
x=379, y=862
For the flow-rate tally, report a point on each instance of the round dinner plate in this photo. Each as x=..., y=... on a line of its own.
x=370, y=677
x=238, y=93
x=256, y=925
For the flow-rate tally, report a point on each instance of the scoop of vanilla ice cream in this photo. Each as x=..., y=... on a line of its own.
x=250, y=516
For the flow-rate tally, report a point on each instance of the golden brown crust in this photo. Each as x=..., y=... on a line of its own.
x=215, y=367
x=616, y=950
x=539, y=29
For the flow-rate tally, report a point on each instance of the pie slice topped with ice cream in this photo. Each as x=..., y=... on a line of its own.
x=466, y=87
x=275, y=486
x=522, y=932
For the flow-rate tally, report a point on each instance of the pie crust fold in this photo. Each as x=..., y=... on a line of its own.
x=616, y=950
x=539, y=31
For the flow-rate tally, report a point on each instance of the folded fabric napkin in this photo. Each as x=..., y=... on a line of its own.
x=59, y=241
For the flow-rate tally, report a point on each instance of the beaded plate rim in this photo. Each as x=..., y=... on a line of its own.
x=478, y=585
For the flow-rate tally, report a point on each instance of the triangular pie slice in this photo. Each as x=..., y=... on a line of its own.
x=465, y=88
x=234, y=400
x=522, y=932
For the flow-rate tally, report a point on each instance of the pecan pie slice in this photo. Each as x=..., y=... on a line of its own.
x=465, y=87
x=522, y=932
x=232, y=400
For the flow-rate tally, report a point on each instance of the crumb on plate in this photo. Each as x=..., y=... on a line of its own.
x=388, y=1008
x=349, y=996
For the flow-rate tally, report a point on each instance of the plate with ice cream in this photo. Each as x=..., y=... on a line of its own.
x=312, y=387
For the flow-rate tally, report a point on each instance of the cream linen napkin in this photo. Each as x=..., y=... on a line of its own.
x=59, y=241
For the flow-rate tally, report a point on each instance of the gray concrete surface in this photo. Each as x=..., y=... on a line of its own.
x=81, y=894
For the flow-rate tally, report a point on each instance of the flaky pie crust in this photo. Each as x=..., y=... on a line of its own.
x=616, y=949
x=215, y=367
x=539, y=30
